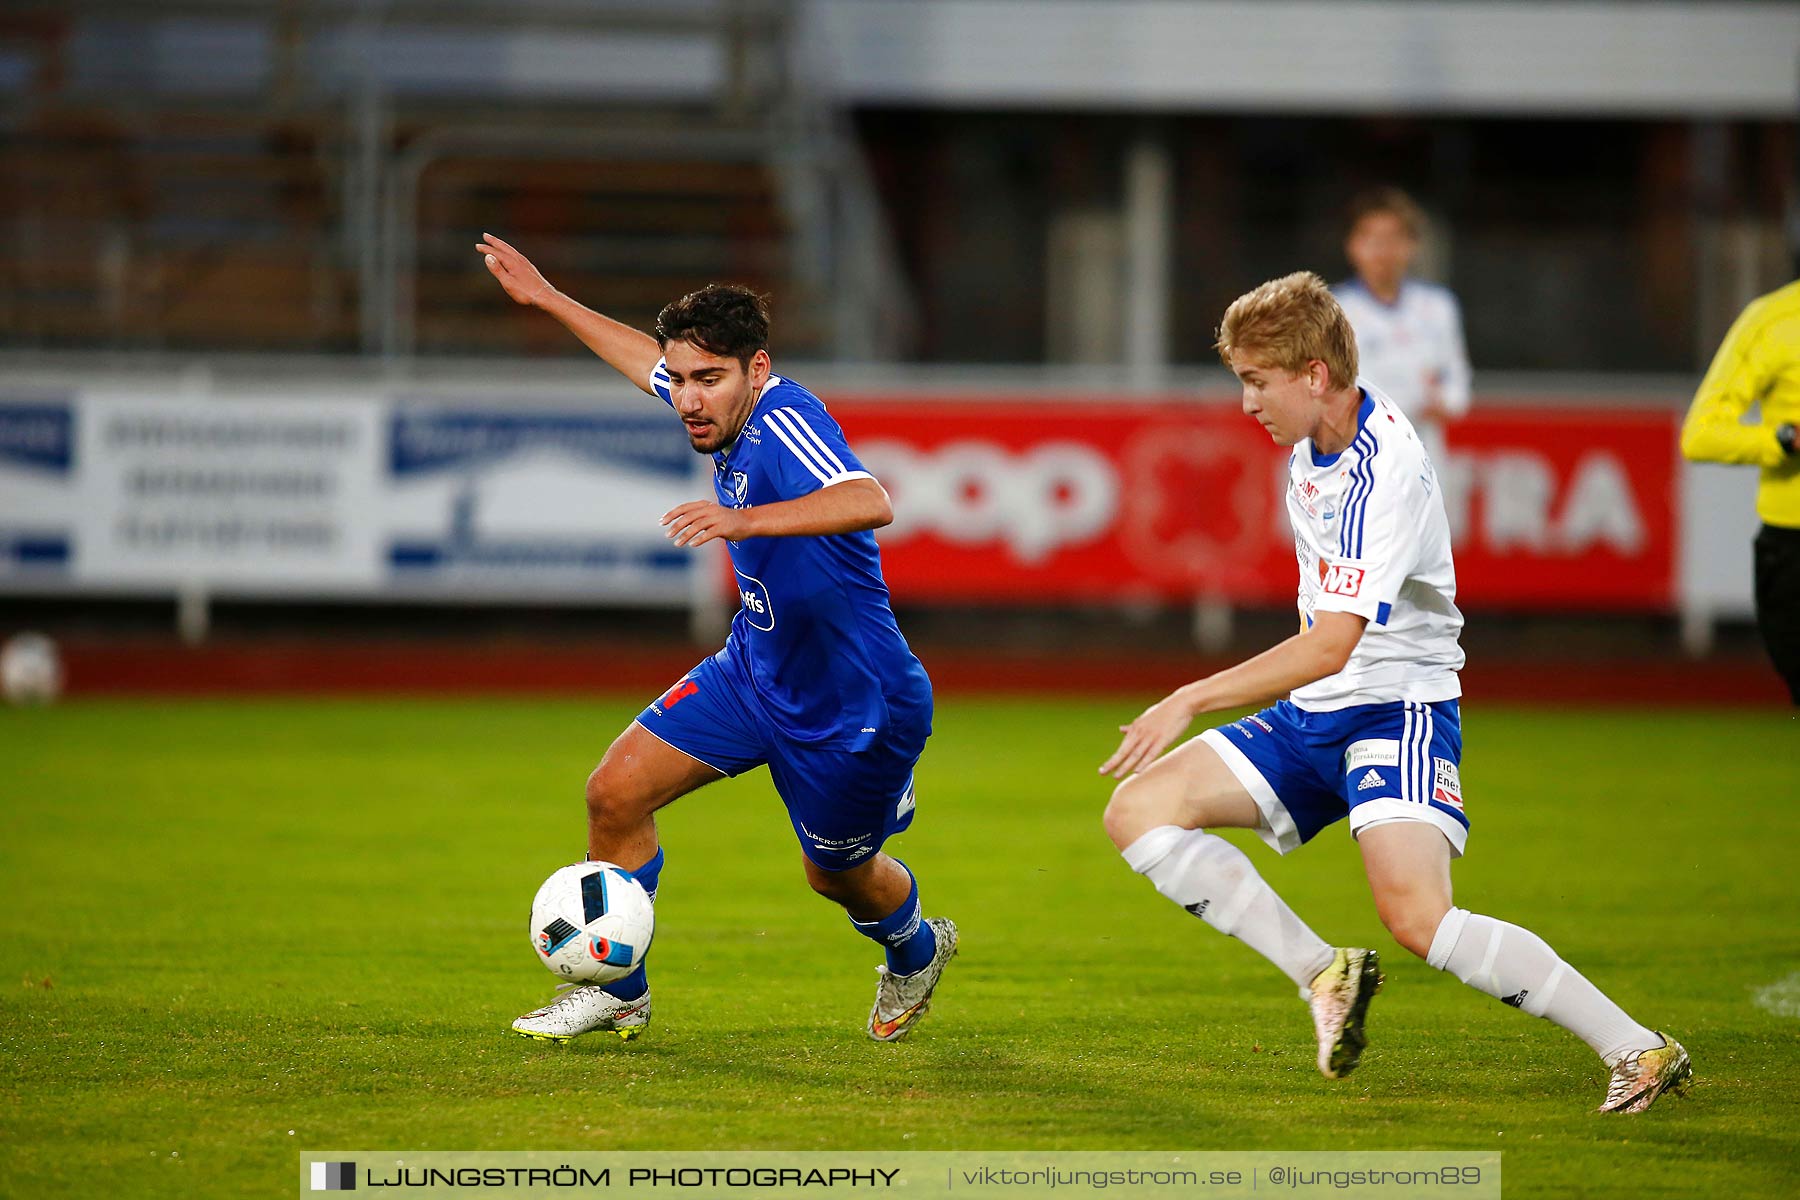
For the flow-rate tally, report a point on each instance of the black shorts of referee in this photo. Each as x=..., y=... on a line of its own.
x=1778, y=600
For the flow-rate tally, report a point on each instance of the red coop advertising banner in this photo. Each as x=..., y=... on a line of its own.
x=1551, y=507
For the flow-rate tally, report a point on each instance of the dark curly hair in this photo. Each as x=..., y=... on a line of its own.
x=721, y=318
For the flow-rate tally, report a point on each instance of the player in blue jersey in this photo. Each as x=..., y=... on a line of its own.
x=815, y=680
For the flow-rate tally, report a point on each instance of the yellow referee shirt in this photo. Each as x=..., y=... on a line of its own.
x=1758, y=362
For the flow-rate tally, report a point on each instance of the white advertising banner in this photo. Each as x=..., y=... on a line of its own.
x=370, y=496
x=492, y=502
x=263, y=495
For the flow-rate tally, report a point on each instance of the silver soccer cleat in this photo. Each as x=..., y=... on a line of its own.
x=585, y=1008
x=900, y=1000
x=1339, y=998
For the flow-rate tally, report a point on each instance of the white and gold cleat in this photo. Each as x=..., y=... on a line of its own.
x=585, y=1008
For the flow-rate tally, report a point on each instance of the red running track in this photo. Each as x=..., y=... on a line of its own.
x=339, y=668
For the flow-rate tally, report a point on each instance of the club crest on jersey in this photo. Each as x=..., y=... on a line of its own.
x=1341, y=580
x=740, y=488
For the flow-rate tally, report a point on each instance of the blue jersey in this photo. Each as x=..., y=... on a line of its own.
x=816, y=629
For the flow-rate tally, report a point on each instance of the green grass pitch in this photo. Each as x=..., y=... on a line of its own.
x=236, y=931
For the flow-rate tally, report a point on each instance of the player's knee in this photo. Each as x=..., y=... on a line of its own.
x=609, y=799
x=1133, y=811
x=1413, y=920
x=840, y=887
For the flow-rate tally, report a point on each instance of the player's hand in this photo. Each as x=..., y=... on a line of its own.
x=1148, y=736
x=700, y=521
x=522, y=281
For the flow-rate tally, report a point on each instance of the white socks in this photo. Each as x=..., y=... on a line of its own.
x=1516, y=967
x=1213, y=879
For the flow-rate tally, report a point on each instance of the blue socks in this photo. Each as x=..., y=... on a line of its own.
x=638, y=982
x=909, y=940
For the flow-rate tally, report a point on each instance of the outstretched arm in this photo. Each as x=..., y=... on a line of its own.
x=1304, y=658
x=630, y=352
x=848, y=507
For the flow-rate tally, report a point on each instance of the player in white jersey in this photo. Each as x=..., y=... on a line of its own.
x=1409, y=334
x=1370, y=730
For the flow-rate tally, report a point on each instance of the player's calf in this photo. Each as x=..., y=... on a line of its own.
x=881, y=898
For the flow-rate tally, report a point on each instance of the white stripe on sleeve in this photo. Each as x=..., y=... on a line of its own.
x=783, y=420
x=788, y=441
x=815, y=440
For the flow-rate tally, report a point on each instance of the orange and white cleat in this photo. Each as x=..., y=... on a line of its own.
x=900, y=1000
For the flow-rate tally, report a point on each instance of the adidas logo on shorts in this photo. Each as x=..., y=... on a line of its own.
x=1371, y=780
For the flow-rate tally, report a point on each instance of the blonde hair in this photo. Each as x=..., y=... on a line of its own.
x=1289, y=322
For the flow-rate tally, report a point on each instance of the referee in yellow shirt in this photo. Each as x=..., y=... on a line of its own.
x=1759, y=363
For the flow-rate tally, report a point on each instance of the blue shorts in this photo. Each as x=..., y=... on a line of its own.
x=843, y=804
x=1372, y=763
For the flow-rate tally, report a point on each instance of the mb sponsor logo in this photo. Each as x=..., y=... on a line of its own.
x=1341, y=580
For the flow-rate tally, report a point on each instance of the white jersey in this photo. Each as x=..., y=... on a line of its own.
x=1372, y=539
x=1410, y=346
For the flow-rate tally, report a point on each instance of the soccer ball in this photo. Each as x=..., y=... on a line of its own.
x=30, y=669
x=592, y=923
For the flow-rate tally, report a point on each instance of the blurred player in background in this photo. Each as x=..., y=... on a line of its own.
x=1759, y=364
x=1409, y=333
x=815, y=679
x=1370, y=729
